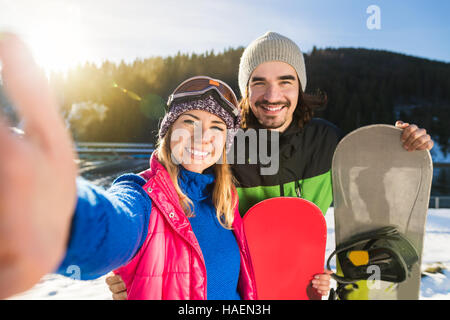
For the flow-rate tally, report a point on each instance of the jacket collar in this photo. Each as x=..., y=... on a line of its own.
x=197, y=186
x=164, y=196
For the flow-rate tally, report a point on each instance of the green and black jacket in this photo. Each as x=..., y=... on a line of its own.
x=305, y=156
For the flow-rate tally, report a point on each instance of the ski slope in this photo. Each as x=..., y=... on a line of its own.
x=434, y=285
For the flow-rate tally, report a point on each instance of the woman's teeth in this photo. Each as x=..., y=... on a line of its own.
x=198, y=153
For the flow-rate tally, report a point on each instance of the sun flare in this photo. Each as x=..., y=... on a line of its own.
x=58, y=42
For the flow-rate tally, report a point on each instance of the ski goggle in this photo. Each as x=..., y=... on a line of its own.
x=202, y=86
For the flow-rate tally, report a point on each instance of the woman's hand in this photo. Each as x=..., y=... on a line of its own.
x=37, y=175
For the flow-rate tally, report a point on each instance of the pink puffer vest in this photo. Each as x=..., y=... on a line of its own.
x=170, y=264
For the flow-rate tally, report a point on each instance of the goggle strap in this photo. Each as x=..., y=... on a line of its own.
x=227, y=106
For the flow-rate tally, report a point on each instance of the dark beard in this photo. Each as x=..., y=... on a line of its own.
x=261, y=103
x=268, y=126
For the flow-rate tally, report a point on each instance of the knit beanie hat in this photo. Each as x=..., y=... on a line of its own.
x=207, y=103
x=271, y=46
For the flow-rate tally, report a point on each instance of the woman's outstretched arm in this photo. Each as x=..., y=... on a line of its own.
x=108, y=227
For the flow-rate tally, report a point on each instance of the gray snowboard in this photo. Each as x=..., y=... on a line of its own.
x=377, y=183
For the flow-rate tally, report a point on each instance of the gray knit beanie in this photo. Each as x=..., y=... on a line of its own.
x=271, y=46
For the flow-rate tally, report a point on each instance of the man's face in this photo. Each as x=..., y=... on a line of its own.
x=273, y=94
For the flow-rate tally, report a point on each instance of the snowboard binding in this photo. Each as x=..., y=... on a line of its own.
x=382, y=254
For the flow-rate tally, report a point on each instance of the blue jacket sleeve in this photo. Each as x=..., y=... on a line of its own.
x=108, y=227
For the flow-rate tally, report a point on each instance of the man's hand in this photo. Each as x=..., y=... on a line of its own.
x=414, y=138
x=321, y=282
x=37, y=175
x=117, y=287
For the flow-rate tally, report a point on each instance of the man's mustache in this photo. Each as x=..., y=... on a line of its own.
x=265, y=103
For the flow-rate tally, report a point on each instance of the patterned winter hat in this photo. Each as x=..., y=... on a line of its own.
x=209, y=101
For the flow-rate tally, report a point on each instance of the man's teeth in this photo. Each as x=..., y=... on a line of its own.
x=273, y=108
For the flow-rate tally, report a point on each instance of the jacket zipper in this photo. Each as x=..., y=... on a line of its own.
x=200, y=254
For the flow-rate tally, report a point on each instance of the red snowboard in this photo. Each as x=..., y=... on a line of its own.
x=287, y=240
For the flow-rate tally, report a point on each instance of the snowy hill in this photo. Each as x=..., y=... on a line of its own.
x=436, y=252
x=435, y=285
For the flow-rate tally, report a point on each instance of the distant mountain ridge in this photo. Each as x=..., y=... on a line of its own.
x=363, y=86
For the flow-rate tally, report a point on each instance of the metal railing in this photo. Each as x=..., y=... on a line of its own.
x=438, y=202
x=101, y=149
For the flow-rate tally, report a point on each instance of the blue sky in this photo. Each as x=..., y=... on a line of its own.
x=63, y=33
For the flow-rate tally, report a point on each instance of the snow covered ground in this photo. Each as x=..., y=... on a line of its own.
x=434, y=285
x=436, y=252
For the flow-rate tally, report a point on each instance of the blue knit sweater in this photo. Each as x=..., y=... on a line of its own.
x=109, y=227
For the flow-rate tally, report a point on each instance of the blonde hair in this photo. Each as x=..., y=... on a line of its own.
x=225, y=198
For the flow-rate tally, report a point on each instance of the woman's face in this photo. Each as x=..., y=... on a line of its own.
x=197, y=140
